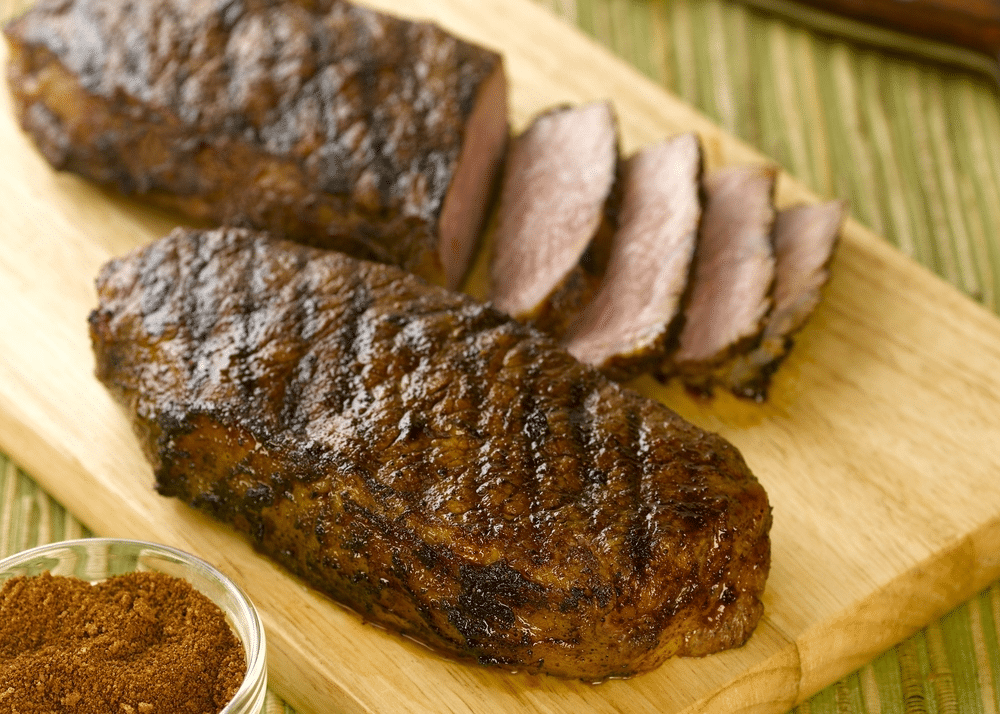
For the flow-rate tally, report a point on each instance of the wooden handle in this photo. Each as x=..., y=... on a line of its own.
x=973, y=24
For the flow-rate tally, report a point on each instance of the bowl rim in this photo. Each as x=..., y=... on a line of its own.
x=256, y=646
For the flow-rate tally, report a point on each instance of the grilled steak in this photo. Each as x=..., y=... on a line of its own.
x=433, y=464
x=321, y=121
x=634, y=318
x=733, y=272
x=556, y=216
x=804, y=239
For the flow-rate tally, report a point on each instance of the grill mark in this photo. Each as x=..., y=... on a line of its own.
x=534, y=430
x=368, y=360
x=200, y=297
x=470, y=364
x=639, y=543
x=474, y=363
x=478, y=378
x=199, y=311
x=580, y=418
x=246, y=311
x=304, y=361
x=157, y=275
x=332, y=158
x=345, y=382
x=377, y=122
x=298, y=379
x=581, y=438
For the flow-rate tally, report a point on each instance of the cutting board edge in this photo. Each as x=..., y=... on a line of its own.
x=894, y=611
x=770, y=687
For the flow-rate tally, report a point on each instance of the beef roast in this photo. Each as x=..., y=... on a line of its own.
x=556, y=215
x=733, y=272
x=317, y=119
x=634, y=318
x=433, y=464
x=804, y=240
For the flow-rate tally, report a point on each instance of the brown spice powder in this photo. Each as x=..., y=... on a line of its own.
x=139, y=643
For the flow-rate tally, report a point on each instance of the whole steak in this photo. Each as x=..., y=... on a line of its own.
x=431, y=463
x=318, y=120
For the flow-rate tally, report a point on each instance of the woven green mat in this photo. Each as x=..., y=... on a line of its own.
x=914, y=147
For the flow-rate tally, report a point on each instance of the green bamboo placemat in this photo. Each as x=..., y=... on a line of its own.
x=913, y=146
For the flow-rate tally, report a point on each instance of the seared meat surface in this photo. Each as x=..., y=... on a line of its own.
x=558, y=203
x=319, y=120
x=424, y=459
x=633, y=321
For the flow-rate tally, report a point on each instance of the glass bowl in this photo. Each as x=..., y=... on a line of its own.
x=94, y=559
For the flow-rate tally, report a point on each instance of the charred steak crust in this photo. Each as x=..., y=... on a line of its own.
x=319, y=120
x=429, y=462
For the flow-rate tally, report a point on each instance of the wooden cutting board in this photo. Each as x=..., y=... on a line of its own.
x=879, y=447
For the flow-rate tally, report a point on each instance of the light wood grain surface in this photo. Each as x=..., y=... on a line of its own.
x=877, y=448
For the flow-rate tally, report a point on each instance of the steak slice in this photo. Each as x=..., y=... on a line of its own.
x=320, y=121
x=556, y=216
x=733, y=272
x=634, y=318
x=440, y=468
x=805, y=237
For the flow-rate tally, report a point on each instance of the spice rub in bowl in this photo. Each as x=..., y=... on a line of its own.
x=96, y=626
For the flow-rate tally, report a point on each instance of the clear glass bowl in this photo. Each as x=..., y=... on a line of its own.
x=94, y=559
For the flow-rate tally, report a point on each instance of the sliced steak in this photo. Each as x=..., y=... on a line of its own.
x=321, y=121
x=804, y=240
x=440, y=468
x=556, y=216
x=733, y=272
x=633, y=320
